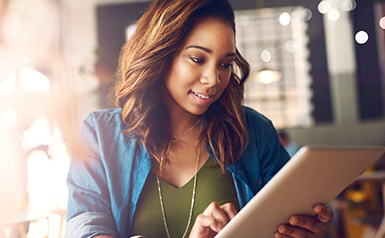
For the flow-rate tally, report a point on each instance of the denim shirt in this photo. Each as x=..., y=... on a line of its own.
x=108, y=171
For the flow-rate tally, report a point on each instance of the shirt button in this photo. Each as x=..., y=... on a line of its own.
x=131, y=205
x=259, y=182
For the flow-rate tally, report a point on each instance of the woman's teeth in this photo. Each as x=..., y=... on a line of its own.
x=201, y=96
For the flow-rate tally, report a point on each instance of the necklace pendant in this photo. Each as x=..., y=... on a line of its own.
x=174, y=138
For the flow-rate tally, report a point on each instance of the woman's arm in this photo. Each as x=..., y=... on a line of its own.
x=89, y=208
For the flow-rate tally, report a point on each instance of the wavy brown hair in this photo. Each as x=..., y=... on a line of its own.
x=143, y=64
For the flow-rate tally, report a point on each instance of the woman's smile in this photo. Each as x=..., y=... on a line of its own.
x=202, y=98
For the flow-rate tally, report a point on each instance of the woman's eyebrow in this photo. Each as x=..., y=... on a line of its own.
x=208, y=50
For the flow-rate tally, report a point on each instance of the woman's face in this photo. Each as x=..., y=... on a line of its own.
x=201, y=68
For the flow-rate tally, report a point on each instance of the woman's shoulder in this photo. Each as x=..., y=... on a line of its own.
x=259, y=126
x=104, y=122
x=255, y=118
x=106, y=117
x=104, y=131
x=109, y=114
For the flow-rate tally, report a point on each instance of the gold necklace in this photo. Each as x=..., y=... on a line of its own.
x=192, y=200
x=174, y=137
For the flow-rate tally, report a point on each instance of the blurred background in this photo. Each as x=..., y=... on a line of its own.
x=317, y=73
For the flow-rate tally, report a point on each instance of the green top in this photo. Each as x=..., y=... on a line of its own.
x=210, y=187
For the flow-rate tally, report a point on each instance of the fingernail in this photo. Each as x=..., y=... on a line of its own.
x=282, y=229
x=322, y=220
x=277, y=235
x=318, y=209
x=293, y=220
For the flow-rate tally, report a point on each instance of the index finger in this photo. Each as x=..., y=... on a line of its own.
x=229, y=209
x=215, y=211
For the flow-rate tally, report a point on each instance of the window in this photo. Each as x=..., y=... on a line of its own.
x=276, y=39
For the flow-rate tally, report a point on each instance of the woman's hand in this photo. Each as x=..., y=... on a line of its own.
x=212, y=220
x=304, y=226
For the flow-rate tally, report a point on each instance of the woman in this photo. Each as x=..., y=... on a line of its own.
x=182, y=155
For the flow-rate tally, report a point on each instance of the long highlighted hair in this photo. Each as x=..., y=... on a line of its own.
x=143, y=64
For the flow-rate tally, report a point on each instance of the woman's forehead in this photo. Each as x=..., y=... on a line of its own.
x=211, y=33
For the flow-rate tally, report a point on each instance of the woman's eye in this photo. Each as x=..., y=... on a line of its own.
x=197, y=60
x=227, y=65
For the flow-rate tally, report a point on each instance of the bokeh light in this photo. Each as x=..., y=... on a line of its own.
x=348, y=5
x=306, y=14
x=382, y=22
x=333, y=14
x=323, y=7
x=361, y=37
x=290, y=46
x=266, y=55
x=284, y=19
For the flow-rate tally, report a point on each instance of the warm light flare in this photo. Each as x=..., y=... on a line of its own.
x=7, y=117
x=36, y=113
x=266, y=76
x=11, y=174
x=30, y=80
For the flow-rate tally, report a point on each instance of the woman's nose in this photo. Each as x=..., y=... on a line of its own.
x=210, y=77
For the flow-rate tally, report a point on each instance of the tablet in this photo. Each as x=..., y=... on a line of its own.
x=313, y=175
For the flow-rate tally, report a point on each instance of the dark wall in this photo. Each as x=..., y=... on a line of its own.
x=369, y=76
x=112, y=21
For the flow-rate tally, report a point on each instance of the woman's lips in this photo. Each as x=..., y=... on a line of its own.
x=201, y=96
x=204, y=99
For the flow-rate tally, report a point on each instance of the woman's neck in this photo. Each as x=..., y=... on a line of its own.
x=183, y=125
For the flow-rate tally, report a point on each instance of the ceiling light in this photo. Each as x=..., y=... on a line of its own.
x=266, y=76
